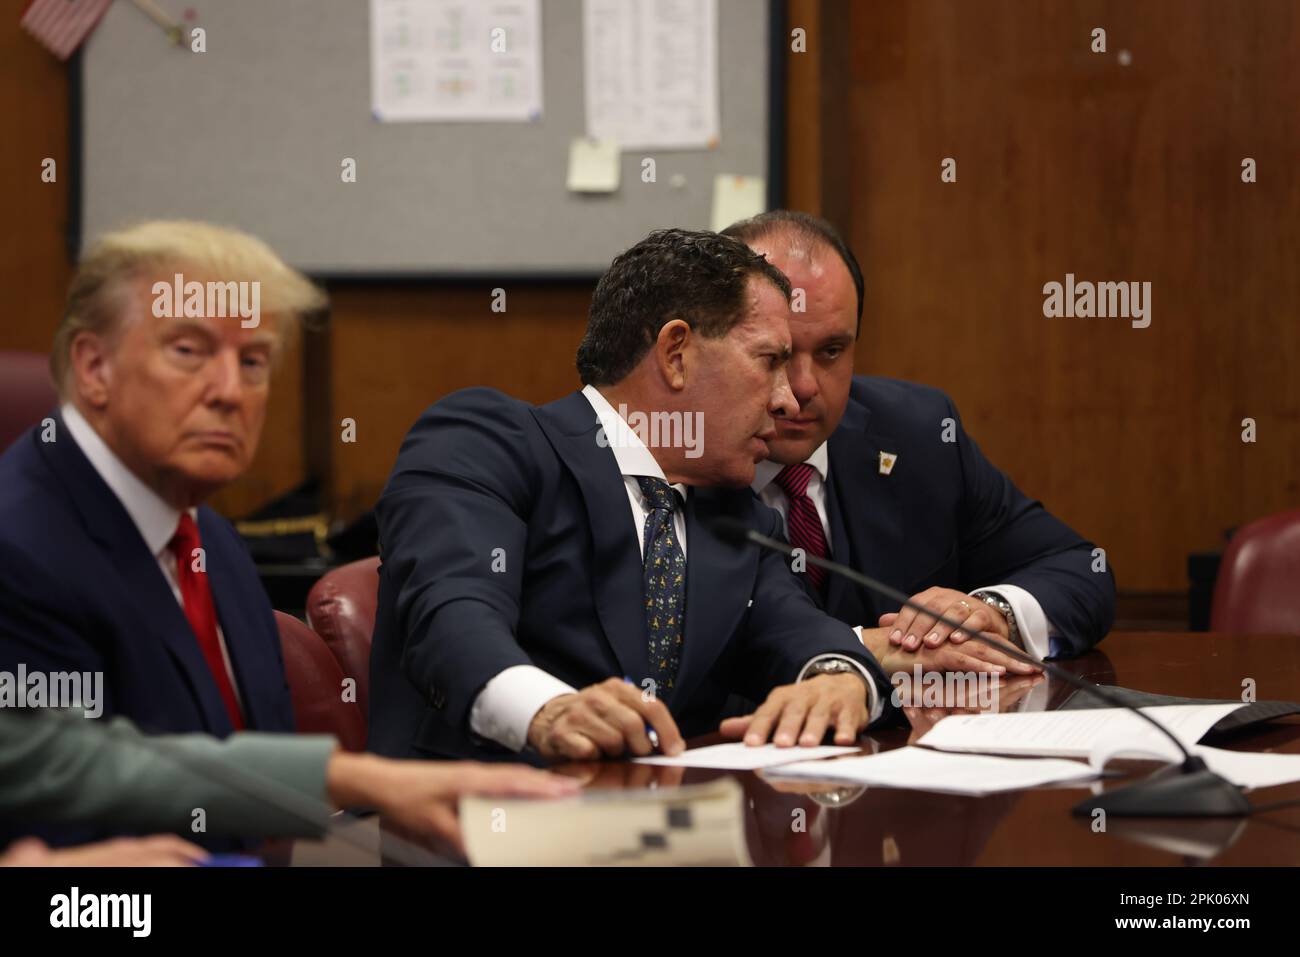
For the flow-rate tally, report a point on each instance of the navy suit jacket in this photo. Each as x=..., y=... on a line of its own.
x=946, y=516
x=80, y=591
x=484, y=481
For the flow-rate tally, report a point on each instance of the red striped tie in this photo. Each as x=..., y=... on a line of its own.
x=196, y=595
x=803, y=524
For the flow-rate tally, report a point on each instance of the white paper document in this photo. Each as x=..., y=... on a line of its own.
x=1246, y=769
x=925, y=770
x=650, y=72
x=455, y=60
x=1070, y=734
x=741, y=757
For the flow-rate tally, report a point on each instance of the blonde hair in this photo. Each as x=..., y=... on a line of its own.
x=100, y=287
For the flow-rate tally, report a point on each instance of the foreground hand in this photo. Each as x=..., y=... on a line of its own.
x=971, y=656
x=422, y=796
x=910, y=628
x=603, y=719
x=161, y=850
x=803, y=711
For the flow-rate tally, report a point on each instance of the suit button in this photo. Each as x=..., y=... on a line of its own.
x=436, y=698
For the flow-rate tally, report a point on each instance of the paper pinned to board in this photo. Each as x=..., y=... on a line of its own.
x=650, y=72
x=593, y=166
x=699, y=825
x=454, y=60
x=736, y=198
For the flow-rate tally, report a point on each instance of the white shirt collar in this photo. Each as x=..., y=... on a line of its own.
x=767, y=470
x=632, y=455
x=154, y=517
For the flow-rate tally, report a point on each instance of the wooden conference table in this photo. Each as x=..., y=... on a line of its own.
x=879, y=826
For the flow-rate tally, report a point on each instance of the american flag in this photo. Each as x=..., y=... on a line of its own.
x=61, y=25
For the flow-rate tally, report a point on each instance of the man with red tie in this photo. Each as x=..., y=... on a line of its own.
x=110, y=565
x=880, y=474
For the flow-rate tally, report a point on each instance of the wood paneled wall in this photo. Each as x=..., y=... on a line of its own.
x=1070, y=161
x=1067, y=161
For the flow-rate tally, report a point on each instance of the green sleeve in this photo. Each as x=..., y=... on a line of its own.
x=59, y=766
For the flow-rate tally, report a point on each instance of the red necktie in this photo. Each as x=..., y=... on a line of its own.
x=196, y=595
x=803, y=524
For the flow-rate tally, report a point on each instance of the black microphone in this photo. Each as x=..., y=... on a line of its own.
x=1189, y=789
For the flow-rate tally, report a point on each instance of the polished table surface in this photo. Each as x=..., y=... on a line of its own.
x=880, y=826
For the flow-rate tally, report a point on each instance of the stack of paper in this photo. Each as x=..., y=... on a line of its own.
x=926, y=770
x=741, y=757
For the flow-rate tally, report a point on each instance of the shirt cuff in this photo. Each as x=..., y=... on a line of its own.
x=506, y=706
x=875, y=704
x=1035, y=629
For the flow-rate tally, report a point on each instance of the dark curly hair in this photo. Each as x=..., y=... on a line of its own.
x=696, y=276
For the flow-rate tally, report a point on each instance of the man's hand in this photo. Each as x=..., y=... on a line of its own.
x=973, y=656
x=603, y=719
x=910, y=629
x=161, y=850
x=422, y=796
x=803, y=711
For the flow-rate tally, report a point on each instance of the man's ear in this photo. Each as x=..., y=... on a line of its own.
x=91, y=368
x=670, y=352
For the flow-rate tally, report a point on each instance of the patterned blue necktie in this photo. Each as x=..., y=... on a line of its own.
x=664, y=566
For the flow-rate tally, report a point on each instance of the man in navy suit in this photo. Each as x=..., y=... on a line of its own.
x=550, y=581
x=110, y=564
x=879, y=474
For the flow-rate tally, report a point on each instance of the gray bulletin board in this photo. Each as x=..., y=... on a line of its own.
x=252, y=132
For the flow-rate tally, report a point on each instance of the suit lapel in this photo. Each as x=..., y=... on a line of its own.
x=867, y=504
x=714, y=603
x=570, y=423
x=154, y=605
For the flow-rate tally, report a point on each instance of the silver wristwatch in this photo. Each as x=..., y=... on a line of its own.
x=994, y=600
x=833, y=666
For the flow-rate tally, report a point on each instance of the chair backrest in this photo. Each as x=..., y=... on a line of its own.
x=316, y=686
x=341, y=609
x=1258, y=588
x=26, y=393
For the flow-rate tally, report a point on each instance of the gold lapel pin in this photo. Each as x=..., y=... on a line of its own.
x=887, y=460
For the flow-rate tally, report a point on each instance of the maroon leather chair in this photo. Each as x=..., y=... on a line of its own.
x=1258, y=589
x=316, y=686
x=341, y=609
x=27, y=394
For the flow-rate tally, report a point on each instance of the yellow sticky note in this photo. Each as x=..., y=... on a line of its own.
x=593, y=165
x=737, y=197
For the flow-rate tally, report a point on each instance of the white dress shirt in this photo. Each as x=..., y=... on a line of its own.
x=154, y=518
x=1035, y=630
x=505, y=708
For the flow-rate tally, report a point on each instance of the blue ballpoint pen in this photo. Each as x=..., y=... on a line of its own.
x=651, y=733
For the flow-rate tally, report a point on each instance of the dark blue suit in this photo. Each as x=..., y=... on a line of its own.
x=947, y=517
x=80, y=591
x=483, y=478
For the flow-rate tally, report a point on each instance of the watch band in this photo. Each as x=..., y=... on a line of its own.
x=995, y=600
